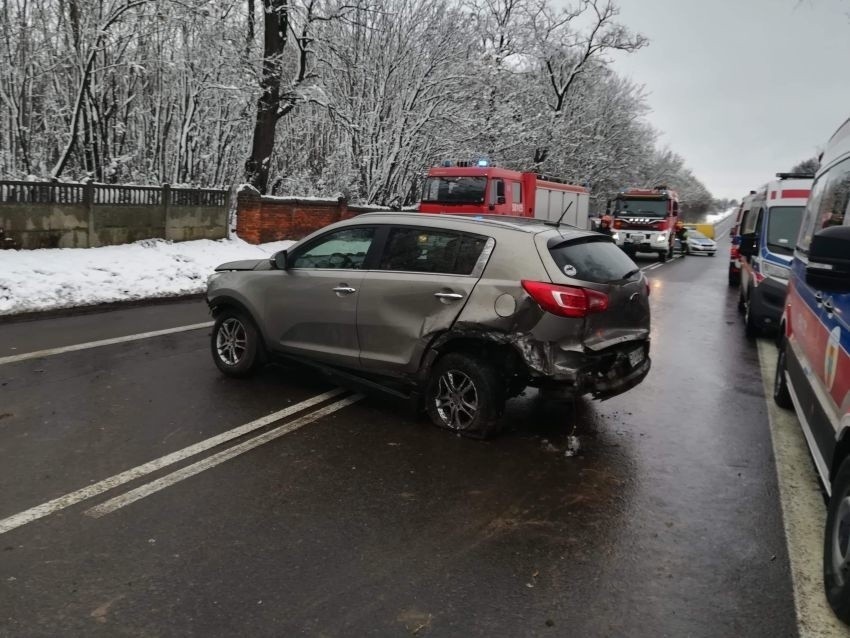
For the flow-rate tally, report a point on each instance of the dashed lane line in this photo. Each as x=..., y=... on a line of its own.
x=196, y=468
x=803, y=511
x=38, y=354
x=40, y=511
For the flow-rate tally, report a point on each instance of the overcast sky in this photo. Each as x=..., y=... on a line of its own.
x=742, y=88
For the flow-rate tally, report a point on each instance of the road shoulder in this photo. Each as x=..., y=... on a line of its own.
x=803, y=510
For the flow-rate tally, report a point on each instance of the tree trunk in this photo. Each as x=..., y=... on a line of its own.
x=276, y=23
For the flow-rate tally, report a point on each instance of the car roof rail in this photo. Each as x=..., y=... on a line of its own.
x=795, y=175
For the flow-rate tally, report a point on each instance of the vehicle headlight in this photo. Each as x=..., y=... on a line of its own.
x=773, y=270
x=661, y=237
x=616, y=236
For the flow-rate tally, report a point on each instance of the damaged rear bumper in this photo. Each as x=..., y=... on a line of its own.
x=601, y=374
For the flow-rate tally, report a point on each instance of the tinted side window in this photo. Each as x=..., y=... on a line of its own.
x=431, y=251
x=597, y=261
x=343, y=249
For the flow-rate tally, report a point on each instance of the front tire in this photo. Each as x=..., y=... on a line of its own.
x=836, y=545
x=751, y=328
x=465, y=394
x=781, y=395
x=235, y=343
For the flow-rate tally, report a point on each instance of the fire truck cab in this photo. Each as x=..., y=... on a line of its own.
x=645, y=220
x=466, y=188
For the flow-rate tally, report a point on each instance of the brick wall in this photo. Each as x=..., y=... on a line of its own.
x=262, y=219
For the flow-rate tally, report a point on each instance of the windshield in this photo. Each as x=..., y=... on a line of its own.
x=783, y=225
x=641, y=207
x=454, y=190
x=695, y=234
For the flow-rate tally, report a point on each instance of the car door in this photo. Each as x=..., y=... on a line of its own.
x=752, y=226
x=312, y=307
x=421, y=282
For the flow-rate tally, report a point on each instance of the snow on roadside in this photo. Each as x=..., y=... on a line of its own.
x=46, y=279
x=717, y=217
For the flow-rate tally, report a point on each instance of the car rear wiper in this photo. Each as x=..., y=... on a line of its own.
x=628, y=275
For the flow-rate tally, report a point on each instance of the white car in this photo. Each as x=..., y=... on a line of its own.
x=699, y=244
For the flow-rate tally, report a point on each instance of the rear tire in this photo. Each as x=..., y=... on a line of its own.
x=781, y=395
x=836, y=545
x=465, y=394
x=237, y=348
x=734, y=277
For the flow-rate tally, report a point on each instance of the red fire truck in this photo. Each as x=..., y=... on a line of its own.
x=645, y=220
x=476, y=188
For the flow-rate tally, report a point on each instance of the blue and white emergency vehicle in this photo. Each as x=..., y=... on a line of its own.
x=768, y=231
x=813, y=367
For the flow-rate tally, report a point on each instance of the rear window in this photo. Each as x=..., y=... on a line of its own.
x=432, y=251
x=594, y=260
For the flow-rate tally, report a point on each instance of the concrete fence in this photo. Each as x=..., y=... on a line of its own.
x=60, y=215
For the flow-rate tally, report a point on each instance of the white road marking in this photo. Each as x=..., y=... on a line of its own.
x=211, y=461
x=103, y=342
x=803, y=511
x=40, y=511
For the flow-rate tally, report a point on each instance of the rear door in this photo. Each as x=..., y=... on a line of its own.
x=421, y=282
x=597, y=263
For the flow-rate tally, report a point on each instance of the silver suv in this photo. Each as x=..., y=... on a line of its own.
x=463, y=312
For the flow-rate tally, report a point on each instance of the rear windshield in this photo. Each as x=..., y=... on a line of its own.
x=594, y=260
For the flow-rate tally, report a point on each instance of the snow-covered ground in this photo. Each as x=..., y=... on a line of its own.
x=716, y=217
x=46, y=279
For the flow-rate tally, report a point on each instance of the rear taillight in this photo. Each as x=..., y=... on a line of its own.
x=566, y=301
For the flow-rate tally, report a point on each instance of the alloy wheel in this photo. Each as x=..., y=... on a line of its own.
x=231, y=341
x=457, y=400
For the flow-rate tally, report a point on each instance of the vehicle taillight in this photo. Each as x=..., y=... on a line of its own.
x=618, y=223
x=566, y=301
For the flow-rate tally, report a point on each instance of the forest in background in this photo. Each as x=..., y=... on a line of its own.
x=325, y=97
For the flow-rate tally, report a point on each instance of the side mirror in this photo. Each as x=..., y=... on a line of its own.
x=829, y=260
x=279, y=260
x=747, y=248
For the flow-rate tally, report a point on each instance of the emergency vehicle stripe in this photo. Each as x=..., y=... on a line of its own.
x=813, y=336
x=800, y=193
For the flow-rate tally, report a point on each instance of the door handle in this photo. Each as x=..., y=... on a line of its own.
x=818, y=296
x=344, y=290
x=827, y=303
x=448, y=296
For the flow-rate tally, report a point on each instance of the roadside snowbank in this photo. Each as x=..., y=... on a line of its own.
x=46, y=279
x=717, y=217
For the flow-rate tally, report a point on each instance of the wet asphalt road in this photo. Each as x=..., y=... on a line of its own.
x=370, y=521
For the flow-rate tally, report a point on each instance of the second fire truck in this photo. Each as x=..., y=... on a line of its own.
x=644, y=220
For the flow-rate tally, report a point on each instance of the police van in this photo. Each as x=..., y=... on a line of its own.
x=768, y=230
x=813, y=367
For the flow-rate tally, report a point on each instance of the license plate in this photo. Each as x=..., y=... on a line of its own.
x=636, y=238
x=636, y=357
